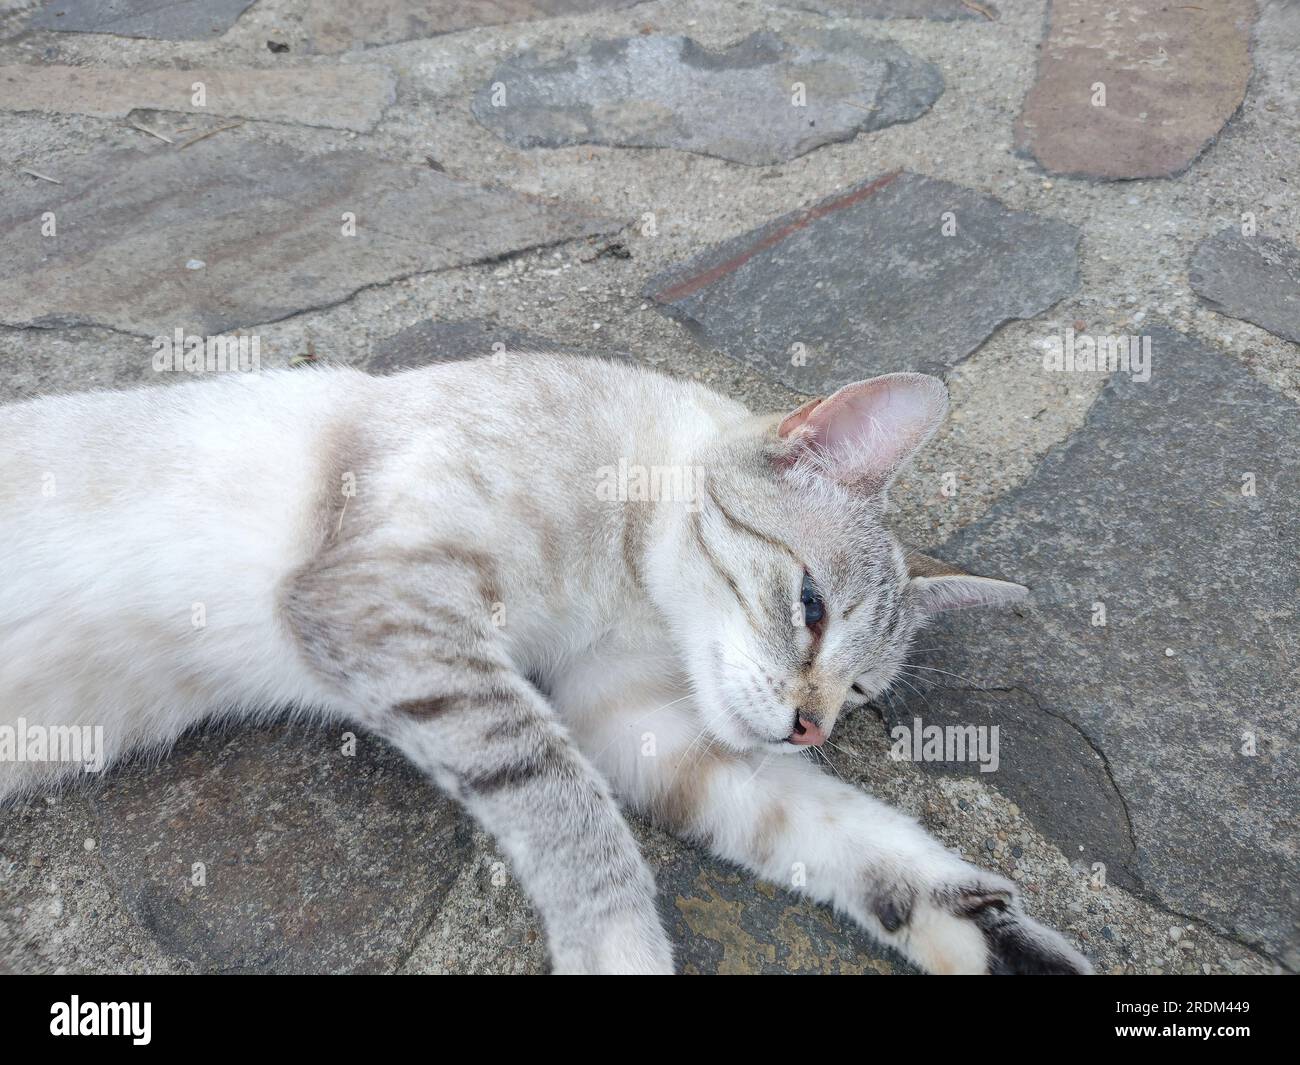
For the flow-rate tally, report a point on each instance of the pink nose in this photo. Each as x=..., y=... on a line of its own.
x=806, y=733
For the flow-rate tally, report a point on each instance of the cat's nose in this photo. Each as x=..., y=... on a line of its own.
x=807, y=733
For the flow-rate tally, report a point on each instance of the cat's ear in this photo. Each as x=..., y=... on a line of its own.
x=936, y=586
x=866, y=432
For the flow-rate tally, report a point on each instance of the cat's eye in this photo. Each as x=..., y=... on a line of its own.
x=814, y=607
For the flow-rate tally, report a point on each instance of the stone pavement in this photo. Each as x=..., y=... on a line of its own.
x=772, y=197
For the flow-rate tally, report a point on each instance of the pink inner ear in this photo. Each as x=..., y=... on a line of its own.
x=872, y=427
x=795, y=419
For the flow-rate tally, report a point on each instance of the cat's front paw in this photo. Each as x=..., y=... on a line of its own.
x=1015, y=944
x=977, y=925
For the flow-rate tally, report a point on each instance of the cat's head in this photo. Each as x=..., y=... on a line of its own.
x=787, y=595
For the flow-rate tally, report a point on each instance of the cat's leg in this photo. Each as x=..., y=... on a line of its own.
x=431, y=679
x=790, y=823
x=497, y=748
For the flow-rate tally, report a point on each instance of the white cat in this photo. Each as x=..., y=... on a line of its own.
x=463, y=560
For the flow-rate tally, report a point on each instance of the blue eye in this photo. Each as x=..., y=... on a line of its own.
x=814, y=609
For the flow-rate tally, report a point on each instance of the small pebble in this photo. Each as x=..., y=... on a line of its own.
x=991, y=844
x=1175, y=933
x=1017, y=852
x=195, y=264
x=1169, y=652
x=89, y=844
x=963, y=804
x=1106, y=933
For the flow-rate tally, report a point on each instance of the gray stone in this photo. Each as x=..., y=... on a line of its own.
x=723, y=921
x=943, y=10
x=1256, y=279
x=658, y=91
x=1044, y=762
x=434, y=341
x=166, y=20
x=310, y=861
x=265, y=220
x=338, y=25
x=867, y=282
x=343, y=97
x=1196, y=660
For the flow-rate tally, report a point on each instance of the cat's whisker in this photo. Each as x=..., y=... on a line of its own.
x=826, y=758
x=644, y=717
x=914, y=689
x=847, y=753
x=947, y=673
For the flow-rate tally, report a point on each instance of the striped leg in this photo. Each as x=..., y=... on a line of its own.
x=500, y=752
x=429, y=674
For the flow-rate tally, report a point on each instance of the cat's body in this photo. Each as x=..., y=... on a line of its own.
x=450, y=558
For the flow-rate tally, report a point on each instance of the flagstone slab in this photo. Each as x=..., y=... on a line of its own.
x=165, y=20
x=345, y=97
x=274, y=851
x=943, y=10
x=1256, y=279
x=1173, y=74
x=338, y=25
x=234, y=232
x=871, y=280
x=658, y=91
x=1164, y=743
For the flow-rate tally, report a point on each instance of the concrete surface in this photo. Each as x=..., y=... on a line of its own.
x=80, y=891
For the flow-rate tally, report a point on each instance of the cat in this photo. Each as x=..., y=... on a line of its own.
x=558, y=585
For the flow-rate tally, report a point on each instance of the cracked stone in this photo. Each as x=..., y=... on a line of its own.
x=1256, y=279
x=842, y=290
x=659, y=91
x=267, y=220
x=1185, y=537
x=943, y=10
x=1044, y=763
x=177, y=20
x=432, y=341
x=345, y=97
x=339, y=25
x=339, y=866
x=1170, y=76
